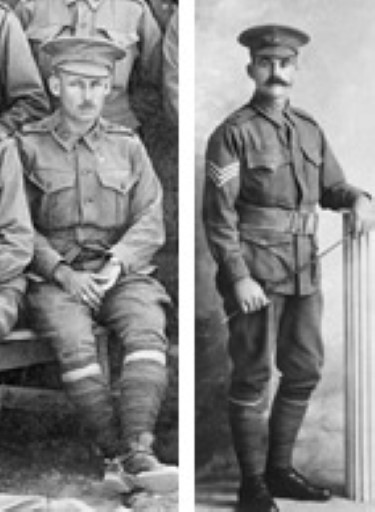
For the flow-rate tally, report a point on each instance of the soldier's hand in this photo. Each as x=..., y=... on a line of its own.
x=363, y=215
x=107, y=277
x=80, y=285
x=250, y=295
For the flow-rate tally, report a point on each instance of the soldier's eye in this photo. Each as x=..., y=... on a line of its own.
x=263, y=62
x=287, y=61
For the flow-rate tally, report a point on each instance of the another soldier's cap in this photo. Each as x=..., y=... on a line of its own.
x=273, y=40
x=83, y=55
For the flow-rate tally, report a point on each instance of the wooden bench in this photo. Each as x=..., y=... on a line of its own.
x=22, y=349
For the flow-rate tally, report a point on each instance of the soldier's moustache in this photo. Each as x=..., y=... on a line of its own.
x=86, y=105
x=275, y=80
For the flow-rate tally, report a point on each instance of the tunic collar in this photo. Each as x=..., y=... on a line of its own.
x=67, y=139
x=273, y=113
x=94, y=4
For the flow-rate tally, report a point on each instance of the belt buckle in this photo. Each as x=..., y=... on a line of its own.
x=295, y=222
x=310, y=223
x=303, y=223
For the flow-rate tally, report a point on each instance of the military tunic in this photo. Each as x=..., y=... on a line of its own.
x=96, y=197
x=22, y=97
x=266, y=173
x=127, y=22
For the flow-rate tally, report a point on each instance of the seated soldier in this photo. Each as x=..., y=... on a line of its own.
x=96, y=204
x=16, y=236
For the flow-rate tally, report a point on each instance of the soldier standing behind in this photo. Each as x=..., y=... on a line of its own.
x=96, y=204
x=163, y=10
x=129, y=23
x=22, y=96
x=268, y=167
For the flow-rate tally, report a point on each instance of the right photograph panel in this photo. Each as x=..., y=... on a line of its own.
x=285, y=255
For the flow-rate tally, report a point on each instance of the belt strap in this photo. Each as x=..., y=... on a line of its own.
x=296, y=222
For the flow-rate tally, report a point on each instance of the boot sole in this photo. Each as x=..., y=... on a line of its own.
x=119, y=486
x=159, y=481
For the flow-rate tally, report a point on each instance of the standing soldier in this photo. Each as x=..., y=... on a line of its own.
x=268, y=167
x=129, y=23
x=96, y=204
x=22, y=97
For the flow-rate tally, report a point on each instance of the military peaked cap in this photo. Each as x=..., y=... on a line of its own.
x=273, y=40
x=83, y=55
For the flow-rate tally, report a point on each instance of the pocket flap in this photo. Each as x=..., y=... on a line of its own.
x=121, y=181
x=124, y=39
x=312, y=154
x=52, y=181
x=265, y=160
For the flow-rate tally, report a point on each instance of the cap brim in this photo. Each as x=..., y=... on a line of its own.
x=275, y=51
x=83, y=68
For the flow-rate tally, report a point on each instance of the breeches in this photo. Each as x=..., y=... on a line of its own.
x=289, y=331
x=133, y=310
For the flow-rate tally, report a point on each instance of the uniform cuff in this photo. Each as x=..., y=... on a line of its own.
x=46, y=264
x=236, y=269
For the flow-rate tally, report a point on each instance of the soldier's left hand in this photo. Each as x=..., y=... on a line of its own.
x=108, y=275
x=363, y=215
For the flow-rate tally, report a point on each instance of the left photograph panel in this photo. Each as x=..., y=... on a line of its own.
x=89, y=255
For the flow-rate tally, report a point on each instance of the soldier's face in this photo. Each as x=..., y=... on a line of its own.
x=81, y=97
x=273, y=76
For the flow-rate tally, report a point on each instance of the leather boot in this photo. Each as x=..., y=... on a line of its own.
x=288, y=483
x=254, y=496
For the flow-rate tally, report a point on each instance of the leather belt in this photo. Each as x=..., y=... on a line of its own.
x=296, y=222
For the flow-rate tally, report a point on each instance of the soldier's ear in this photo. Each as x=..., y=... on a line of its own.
x=108, y=85
x=250, y=70
x=54, y=85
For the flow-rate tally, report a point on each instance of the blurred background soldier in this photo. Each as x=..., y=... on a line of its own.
x=16, y=236
x=97, y=208
x=163, y=10
x=129, y=23
x=22, y=97
x=170, y=69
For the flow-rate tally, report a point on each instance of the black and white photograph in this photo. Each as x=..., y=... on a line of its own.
x=285, y=304
x=89, y=218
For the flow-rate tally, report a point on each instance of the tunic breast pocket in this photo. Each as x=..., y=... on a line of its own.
x=57, y=206
x=114, y=197
x=312, y=166
x=263, y=177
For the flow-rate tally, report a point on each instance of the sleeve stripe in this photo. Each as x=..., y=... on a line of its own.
x=222, y=175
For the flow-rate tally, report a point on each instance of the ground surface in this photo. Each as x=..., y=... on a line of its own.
x=47, y=454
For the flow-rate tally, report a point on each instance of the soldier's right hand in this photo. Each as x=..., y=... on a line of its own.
x=80, y=285
x=250, y=295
